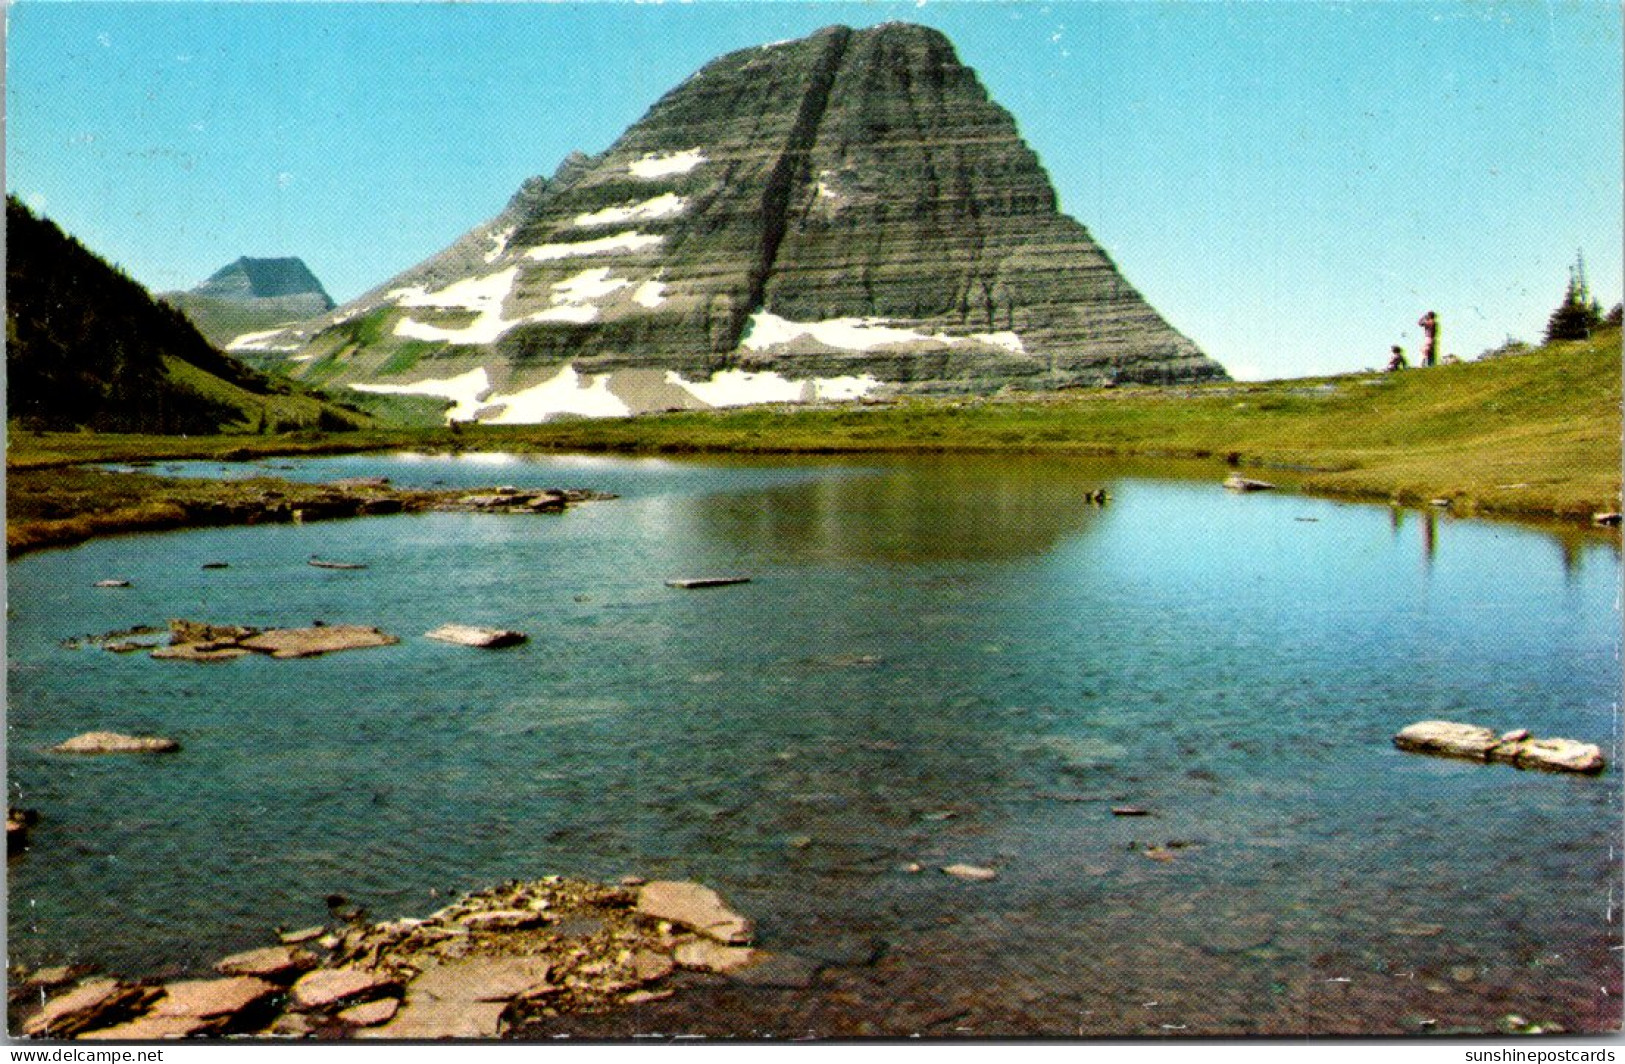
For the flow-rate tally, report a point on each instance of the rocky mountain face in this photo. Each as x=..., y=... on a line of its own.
x=841, y=216
x=88, y=348
x=243, y=304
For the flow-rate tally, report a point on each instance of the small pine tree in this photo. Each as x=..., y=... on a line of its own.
x=1579, y=314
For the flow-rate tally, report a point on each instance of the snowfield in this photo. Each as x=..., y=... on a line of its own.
x=261, y=341
x=669, y=165
x=847, y=334
x=663, y=206
x=567, y=393
x=464, y=390
x=632, y=240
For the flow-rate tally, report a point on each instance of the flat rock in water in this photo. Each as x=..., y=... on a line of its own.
x=326, y=987
x=95, y=1003
x=426, y=1020
x=112, y=583
x=213, y=997
x=1447, y=738
x=707, y=956
x=1553, y=755
x=696, y=907
x=309, y=642
x=1513, y=747
x=102, y=742
x=971, y=872
x=276, y=963
x=1236, y=482
x=303, y=935
x=480, y=979
x=471, y=636
x=693, y=582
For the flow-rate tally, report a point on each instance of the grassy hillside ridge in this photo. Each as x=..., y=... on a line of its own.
x=87, y=347
x=1534, y=434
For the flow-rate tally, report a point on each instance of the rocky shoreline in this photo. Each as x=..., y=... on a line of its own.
x=493, y=960
x=82, y=504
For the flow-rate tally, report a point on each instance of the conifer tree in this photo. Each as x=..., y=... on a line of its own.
x=1578, y=316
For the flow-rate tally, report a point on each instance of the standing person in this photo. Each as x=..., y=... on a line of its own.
x=1430, y=347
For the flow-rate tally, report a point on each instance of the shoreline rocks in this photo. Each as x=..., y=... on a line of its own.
x=516, y=953
x=1519, y=748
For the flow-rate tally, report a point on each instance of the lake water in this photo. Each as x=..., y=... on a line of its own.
x=937, y=661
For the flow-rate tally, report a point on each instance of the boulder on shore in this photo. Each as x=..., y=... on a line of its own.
x=471, y=636
x=1517, y=747
x=91, y=1004
x=106, y=742
x=696, y=907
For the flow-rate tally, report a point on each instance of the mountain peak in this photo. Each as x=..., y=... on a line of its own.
x=843, y=215
x=250, y=278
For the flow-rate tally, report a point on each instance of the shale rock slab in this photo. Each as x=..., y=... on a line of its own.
x=696, y=907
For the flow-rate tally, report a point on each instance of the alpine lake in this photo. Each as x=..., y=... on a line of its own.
x=938, y=660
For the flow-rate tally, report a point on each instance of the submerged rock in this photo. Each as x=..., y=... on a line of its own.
x=471, y=636
x=1514, y=747
x=707, y=956
x=104, y=742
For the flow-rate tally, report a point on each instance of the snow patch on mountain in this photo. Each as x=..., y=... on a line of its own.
x=464, y=390
x=662, y=206
x=650, y=294
x=668, y=165
x=632, y=240
x=1007, y=340
x=566, y=393
x=847, y=334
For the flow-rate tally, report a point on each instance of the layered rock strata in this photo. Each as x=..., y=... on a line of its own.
x=839, y=217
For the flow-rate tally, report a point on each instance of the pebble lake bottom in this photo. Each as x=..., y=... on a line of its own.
x=937, y=661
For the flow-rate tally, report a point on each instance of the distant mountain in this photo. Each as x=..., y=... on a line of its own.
x=241, y=303
x=87, y=347
x=840, y=216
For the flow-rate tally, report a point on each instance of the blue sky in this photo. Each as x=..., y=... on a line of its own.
x=1291, y=184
